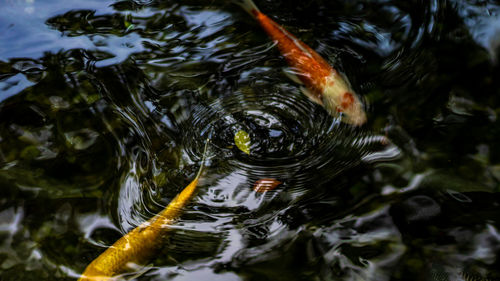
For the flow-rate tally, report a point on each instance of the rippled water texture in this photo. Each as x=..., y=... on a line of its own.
x=105, y=107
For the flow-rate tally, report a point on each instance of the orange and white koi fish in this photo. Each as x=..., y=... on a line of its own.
x=141, y=244
x=324, y=85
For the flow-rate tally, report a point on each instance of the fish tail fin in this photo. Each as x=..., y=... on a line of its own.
x=203, y=159
x=247, y=5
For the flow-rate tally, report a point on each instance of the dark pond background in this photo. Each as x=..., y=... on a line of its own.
x=105, y=107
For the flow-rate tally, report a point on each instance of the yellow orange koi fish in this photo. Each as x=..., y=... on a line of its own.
x=324, y=85
x=139, y=245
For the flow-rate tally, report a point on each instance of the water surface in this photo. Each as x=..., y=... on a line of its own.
x=105, y=107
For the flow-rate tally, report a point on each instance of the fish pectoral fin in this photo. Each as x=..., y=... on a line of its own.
x=292, y=74
x=311, y=95
x=331, y=107
x=139, y=270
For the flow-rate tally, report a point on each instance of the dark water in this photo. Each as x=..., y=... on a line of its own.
x=105, y=108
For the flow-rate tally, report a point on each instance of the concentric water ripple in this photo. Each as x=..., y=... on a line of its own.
x=290, y=136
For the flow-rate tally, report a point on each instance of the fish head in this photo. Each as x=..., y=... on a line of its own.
x=353, y=112
x=339, y=98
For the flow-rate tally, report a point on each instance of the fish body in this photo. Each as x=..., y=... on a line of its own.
x=324, y=85
x=141, y=244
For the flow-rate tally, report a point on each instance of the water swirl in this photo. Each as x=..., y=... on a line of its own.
x=290, y=136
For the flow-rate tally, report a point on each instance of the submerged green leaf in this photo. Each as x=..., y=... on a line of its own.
x=242, y=141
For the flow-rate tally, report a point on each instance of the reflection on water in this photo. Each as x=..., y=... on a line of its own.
x=105, y=107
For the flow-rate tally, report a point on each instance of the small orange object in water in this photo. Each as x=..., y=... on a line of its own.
x=264, y=185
